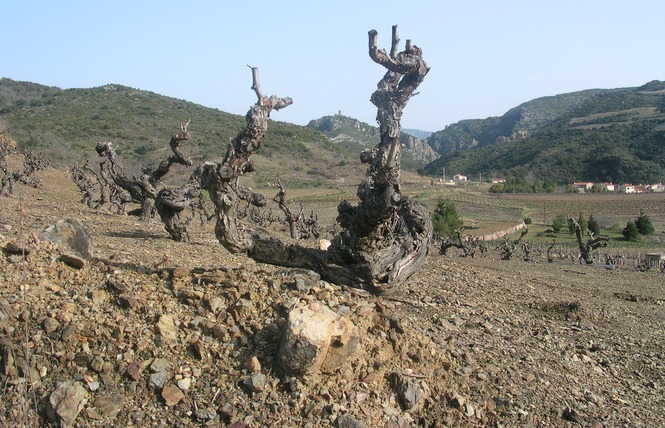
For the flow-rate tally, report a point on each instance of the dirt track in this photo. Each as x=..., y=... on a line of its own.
x=485, y=342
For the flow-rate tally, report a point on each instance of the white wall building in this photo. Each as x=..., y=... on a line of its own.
x=627, y=188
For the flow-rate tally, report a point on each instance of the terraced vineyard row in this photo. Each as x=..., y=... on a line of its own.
x=487, y=213
x=609, y=209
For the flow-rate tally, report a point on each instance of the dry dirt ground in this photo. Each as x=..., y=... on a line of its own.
x=467, y=342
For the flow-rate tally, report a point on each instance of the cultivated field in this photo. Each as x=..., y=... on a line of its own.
x=485, y=213
x=609, y=209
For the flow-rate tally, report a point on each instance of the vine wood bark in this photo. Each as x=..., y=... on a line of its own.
x=386, y=236
x=32, y=162
x=143, y=189
x=586, y=248
x=300, y=227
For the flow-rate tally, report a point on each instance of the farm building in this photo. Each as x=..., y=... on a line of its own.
x=657, y=188
x=582, y=186
x=627, y=188
x=607, y=187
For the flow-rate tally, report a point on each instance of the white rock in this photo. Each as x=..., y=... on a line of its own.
x=167, y=329
x=316, y=338
x=66, y=402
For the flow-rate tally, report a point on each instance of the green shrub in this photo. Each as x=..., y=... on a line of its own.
x=593, y=225
x=630, y=232
x=445, y=219
x=583, y=224
x=558, y=223
x=644, y=225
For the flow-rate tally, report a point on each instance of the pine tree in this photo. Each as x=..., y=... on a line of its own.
x=643, y=224
x=445, y=219
x=593, y=225
x=630, y=232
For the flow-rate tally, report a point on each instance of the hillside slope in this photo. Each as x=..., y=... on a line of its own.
x=355, y=136
x=156, y=333
x=65, y=125
x=613, y=135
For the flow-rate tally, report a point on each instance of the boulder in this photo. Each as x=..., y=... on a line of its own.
x=166, y=329
x=70, y=237
x=66, y=402
x=316, y=338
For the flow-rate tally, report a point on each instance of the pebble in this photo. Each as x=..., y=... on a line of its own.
x=134, y=370
x=172, y=395
x=256, y=382
x=97, y=364
x=106, y=407
x=159, y=365
x=167, y=329
x=51, y=325
x=253, y=365
x=73, y=261
x=348, y=421
x=66, y=402
x=157, y=380
x=185, y=383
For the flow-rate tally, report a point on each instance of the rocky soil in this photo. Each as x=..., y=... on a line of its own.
x=155, y=333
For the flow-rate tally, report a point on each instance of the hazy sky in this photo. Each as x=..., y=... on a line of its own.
x=485, y=56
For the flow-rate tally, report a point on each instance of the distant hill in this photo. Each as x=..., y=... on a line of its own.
x=613, y=135
x=65, y=126
x=417, y=133
x=355, y=136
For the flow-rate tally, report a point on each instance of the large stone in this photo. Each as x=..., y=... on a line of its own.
x=172, y=395
x=66, y=402
x=348, y=421
x=167, y=329
x=409, y=393
x=316, y=338
x=70, y=237
x=106, y=407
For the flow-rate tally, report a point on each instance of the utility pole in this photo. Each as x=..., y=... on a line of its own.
x=444, y=174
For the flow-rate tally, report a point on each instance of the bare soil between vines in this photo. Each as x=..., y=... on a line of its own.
x=484, y=342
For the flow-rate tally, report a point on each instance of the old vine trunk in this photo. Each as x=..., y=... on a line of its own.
x=143, y=189
x=386, y=236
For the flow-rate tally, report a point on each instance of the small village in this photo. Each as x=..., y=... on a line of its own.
x=588, y=186
x=578, y=186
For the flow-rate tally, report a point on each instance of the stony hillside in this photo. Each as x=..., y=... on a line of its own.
x=516, y=124
x=596, y=135
x=156, y=333
x=355, y=136
x=65, y=126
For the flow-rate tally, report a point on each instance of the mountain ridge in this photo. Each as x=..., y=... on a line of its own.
x=66, y=124
x=355, y=136
x=596, y=135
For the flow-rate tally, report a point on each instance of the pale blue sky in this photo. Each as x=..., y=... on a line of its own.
x=485, y=56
